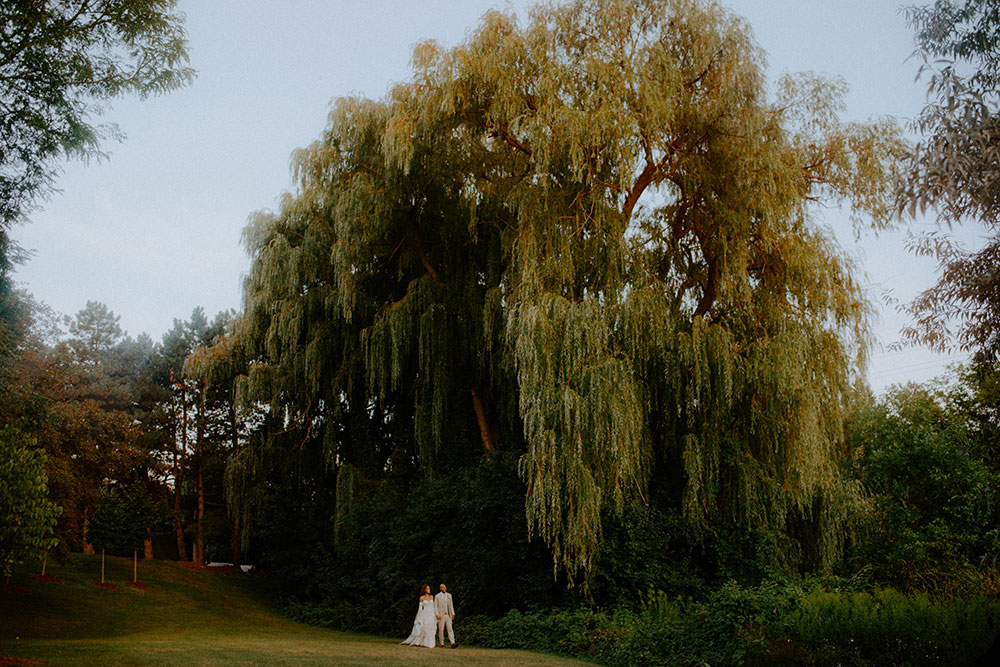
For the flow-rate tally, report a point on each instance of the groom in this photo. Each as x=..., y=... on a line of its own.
x=445, y=612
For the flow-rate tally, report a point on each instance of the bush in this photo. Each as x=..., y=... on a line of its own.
x=887, y=627
x=772, y=624
x=27, y=517
x=935, y=517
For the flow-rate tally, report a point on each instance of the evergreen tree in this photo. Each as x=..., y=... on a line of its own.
x=60, y=64
x=197, y=418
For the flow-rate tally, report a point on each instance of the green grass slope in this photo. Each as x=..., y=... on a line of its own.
x=186, y=616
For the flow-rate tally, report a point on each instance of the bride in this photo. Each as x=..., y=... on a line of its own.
x=425, y=624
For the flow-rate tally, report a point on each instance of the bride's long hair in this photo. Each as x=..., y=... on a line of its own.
x=426, y=590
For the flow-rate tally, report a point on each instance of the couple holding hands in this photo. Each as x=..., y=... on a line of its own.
x=435, y=612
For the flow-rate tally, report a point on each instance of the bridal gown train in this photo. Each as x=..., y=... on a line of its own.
x=424, y=626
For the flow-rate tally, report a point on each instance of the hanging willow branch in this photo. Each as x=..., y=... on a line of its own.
x=634, y=286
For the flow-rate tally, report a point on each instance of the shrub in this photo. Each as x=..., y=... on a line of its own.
x=935, y=518
x=771, y=624
x=27, y=517
x=887, y=627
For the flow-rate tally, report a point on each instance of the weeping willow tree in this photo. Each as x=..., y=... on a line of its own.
x=585, y=241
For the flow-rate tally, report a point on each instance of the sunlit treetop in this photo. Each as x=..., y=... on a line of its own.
x=585, y=240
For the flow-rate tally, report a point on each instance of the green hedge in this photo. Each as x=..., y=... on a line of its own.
x=886, y=627
x=767, y=625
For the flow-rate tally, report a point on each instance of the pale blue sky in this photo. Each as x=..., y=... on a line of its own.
x=155, y=230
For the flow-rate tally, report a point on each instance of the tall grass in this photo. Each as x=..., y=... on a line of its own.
x=766, y=625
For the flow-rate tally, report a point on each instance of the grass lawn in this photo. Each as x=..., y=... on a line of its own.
x=189, y=617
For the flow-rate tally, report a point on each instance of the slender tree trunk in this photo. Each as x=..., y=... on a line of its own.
x=102, y=565
x=45, y=559
x=178, y=525
x=199, y=530
x=199, y=525
x=178, y=478
x=135, y=565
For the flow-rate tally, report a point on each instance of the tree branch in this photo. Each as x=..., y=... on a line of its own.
x=712, y=280
x=419, y=245
x=513, y=141
x=641, y=183
x=484, y=426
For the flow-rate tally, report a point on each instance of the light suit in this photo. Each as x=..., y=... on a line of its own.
x=444, y=609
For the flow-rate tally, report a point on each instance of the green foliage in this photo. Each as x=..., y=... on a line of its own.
x=27, y=516
x=727, y=628
x=59, y=63
x=955, y=166
x=644, y=549
x=767, y=625
x=465, y=529
x=954, y=169
x=14, y=326
x=88, y=399
x=121, y=519
x=934, y=497
x=887, y=627
x=585, y=240
x=565, y=632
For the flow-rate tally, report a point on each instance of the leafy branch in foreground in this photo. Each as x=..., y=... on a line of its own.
x=27, y=517
x=59, y=62
x=954, y=169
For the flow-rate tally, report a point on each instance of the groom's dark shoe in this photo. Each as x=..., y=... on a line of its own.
x=454, y=645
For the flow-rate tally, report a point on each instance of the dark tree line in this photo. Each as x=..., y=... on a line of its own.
x=115, y=412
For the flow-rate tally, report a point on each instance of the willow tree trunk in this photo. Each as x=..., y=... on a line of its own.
x=485, y=433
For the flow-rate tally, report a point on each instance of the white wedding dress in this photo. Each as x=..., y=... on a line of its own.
x=424, y=626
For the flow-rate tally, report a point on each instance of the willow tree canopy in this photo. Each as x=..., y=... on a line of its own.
x=585, y=241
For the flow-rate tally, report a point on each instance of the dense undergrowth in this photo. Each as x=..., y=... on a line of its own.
x=766, y=625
